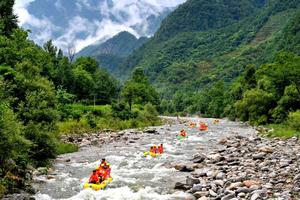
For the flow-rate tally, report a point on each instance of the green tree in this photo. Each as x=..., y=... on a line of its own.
x=8, y=20
x=255, y=106
x=139, y=90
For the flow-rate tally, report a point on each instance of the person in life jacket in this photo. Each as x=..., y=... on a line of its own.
x=151, y=149
x=94, y=178
x=203, y=126
x=182, y=133
x=106, y=173
x=160, y=149
x=103, y=161
x=101, y=171
x=155, y=149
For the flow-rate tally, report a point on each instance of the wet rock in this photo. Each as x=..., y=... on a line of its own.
x=203, y=198
x=184, y=168
x=198, y=158
x=181, y=186
x=151, y=131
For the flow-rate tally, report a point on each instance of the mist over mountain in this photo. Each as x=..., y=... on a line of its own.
x=84, y=22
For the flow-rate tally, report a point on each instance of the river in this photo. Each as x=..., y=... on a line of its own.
x=134, y=176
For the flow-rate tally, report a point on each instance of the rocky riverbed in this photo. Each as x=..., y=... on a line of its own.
x=229, y=161
x=245, y=168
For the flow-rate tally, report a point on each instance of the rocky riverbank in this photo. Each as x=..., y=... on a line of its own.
x=105, y=137
x=245, y=168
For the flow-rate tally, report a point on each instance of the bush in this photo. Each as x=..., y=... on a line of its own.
x=63, y=148
x=294, y=120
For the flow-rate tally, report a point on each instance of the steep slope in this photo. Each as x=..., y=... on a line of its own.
x=112, y=52
x=189, y=60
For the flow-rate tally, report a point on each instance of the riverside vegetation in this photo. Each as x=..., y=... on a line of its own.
x=43, y=94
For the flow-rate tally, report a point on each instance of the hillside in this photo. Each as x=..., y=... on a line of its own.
x=183, y=58
x=112, y=52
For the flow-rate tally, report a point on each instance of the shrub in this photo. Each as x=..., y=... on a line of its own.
x=63, y=148
x=294, y=120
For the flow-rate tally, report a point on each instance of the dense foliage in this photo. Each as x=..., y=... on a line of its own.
x=39, y=91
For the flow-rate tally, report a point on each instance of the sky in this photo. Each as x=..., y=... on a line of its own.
x=79, y=31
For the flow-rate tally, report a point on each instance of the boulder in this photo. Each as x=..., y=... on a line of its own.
x=249, y=183
x=191, y=181
x=181, y=186
x=198, y=158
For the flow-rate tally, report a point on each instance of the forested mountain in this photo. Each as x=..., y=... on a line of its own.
x=112, y=52
x=198, y=58
x=190, y=59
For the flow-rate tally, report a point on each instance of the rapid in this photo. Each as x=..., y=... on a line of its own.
x=135, y=176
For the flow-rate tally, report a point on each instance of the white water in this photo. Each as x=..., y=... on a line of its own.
x=134, y=176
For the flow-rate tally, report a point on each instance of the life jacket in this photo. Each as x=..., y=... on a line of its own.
x=159, y=149
x=183, y=133
x=203, y=127
x=101, y=172
x=151, y=150
x=154, y=150
x=94, y=178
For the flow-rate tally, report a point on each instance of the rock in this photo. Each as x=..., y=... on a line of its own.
x=184, y=168
x=211, y=174
x=228, y=197
x=198, y=158
x=249, y=183
x=215, y=157
x=191, y=181
x=201, y=194
x=255, y=196
x=223, y=141
x=235, y=185
x=219, y=183
x=151, y=131
x=220, y=176
x=196, y=188
x=244, y=190
x=41, y=171
x=181, y=186
x=212, y=193
x=241, y=195
x=259, y=156
x=266, y=149
x=203, y=198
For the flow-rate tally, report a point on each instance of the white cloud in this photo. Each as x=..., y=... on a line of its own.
x=126, y=14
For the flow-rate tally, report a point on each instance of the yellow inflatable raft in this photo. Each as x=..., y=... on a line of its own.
x=100, y=186
x=151, y=154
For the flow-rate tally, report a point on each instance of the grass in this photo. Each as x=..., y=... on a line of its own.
x=282, y=131
x=96, y=118
x=63, y=148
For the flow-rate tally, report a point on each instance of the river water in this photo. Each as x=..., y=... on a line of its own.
x=134, y=176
